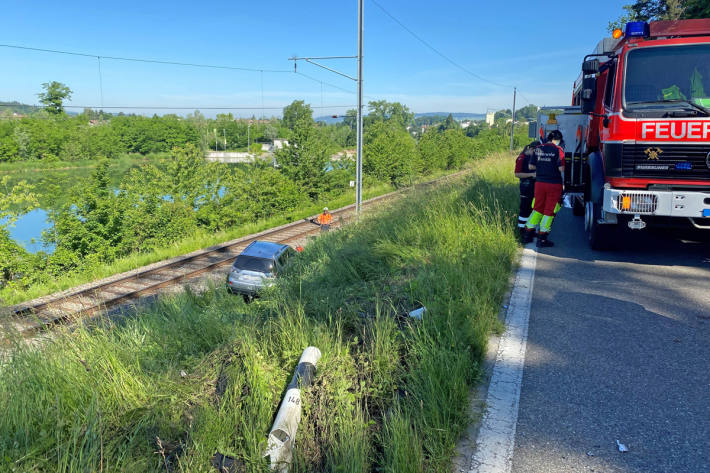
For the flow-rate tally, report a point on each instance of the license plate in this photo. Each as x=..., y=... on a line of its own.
x=706, y=213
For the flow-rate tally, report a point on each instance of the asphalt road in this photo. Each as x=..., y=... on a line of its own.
x=618, y=349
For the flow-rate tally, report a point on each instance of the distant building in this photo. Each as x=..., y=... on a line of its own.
x=345, y=154
x=229, y=157
x=490, y=118
x=465, y=124
x=279, y=143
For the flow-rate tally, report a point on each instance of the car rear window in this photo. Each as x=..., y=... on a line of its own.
x=252, y=263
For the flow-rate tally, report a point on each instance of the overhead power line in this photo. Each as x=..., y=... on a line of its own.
x=437, y=51
x=333, y=86
x=99, y=57
x=159, y=107
x=524, y=97
x=442, y=55
x=325, y=83
x=153, y=61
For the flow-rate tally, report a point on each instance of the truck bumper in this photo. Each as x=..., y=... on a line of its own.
x=688, y=204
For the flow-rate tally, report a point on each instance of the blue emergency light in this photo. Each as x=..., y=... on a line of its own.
x=639, y=29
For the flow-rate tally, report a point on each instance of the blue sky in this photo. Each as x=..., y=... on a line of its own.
x=537, y=46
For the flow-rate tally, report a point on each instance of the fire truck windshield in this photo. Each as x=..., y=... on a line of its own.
x=668, y=78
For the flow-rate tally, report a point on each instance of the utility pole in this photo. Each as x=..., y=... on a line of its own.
x=512, y=128
x=224, y=134
x=249, y=136
x=358, y=173
x=215, y=139
x=311, y=60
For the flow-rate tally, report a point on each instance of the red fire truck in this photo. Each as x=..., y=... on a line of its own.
x=638, y=132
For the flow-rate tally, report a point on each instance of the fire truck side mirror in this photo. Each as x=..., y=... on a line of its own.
x=589, y=94
x=591, y=67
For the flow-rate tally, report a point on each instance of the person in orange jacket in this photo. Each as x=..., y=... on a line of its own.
x=325, y=219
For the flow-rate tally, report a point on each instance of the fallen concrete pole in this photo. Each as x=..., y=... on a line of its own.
x=283, y=433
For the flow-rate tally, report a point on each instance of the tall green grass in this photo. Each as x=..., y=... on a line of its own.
x=200, y=373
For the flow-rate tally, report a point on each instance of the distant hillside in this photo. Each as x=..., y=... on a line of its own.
x=16, y=107
x=460, y=116
x=329, y=120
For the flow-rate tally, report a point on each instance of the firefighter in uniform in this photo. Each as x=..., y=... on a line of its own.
x=548, y=163
x=527, y=184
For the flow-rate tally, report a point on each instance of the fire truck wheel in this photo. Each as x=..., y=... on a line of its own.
x=598, y=234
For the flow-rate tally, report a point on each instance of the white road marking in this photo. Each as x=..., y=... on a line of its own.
x=496, y=438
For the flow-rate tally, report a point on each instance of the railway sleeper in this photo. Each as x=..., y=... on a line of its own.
x=68, y=306
x=128, y=286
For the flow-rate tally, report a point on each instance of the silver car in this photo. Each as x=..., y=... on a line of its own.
x=257, y=267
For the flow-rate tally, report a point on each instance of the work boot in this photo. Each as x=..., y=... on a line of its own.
x=528, y=235
x=542, y=241
x=521, y=233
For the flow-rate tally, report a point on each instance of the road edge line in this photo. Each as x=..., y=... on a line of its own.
x=496, y=437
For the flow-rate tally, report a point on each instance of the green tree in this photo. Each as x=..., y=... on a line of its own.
x=696, y=9
x=389, y=152
x=651, y=10
x=350, y=123
x=382, y=110
x=449, y=124
x=89, y=230
x=154, y=217
x=271, y=132
x=305, y=157
x=507, y=113
x=431, y=151
x=457, y=148
x=265, y=192
x=298, y=113
x=9, y=150
x=528, y=112
x=53, y=96
x=15, y=200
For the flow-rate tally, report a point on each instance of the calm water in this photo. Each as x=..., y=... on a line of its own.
x=51, y=187
x=28, y=231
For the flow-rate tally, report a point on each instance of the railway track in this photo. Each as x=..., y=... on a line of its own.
x=123, y=288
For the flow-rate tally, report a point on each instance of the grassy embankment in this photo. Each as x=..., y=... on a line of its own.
x=390, y=394
x=202, y=239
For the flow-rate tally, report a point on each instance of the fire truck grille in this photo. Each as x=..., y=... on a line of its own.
x=672, y=160
x=637, y=202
